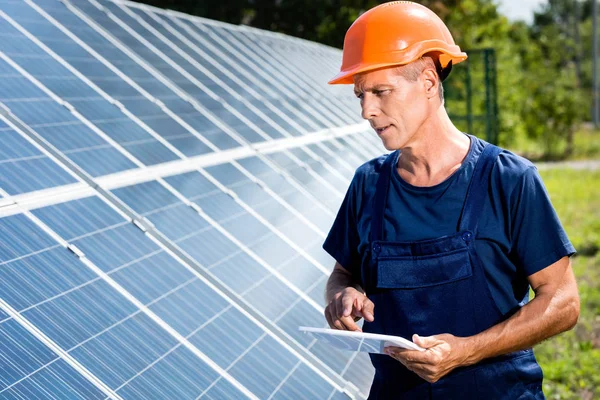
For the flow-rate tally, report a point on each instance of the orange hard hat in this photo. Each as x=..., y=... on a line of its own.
x=396, y=33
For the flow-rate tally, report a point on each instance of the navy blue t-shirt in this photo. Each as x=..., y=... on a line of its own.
x=519, y=232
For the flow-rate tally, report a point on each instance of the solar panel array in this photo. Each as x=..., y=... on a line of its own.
x=166, y=183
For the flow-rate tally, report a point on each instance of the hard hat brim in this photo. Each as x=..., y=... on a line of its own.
x=347, y=76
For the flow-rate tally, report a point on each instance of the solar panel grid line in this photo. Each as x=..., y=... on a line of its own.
x=367, y=148
x=281, y=46
x=193, y=62
x=158, y=234
x=297, y=76
x=322, y=162
x=22, y=321
x=143, y=308
x=268, y=224
x=269, y=327
x=98, y=90
x=57, y=99
x=73, y=36
x=143, y=6
x=193, y=79
x=271, y=94
x=246, y=49
x=4, y=111
x=245, y=248
x=160, y=77
x=258, y=70
x=203, y=55
x=187, y=56
x=21, y=345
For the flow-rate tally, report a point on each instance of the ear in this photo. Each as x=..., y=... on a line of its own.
x=431, y=83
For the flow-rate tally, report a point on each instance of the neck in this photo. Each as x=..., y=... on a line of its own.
x=436, y=150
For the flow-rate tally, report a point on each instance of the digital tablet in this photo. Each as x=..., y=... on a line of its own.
x=359, y=341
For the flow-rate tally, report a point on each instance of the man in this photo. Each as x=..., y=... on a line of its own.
x=441, y=240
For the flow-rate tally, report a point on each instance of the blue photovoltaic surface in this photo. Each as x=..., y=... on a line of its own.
x=314, y=97
x=177, y=295
x=198, y=93
x=150, y=113
x=282, y=218
x=339, y=182
x=285, y=88
x=243, y=80
x=327, y=194
x=132, y=99
x=303, y=203
x=24, y=168
x=108, y=118
x=226, y=261
x=225, y=87
x=30, y=370
x=56, y=124
x=87, y=318
x=260, y=86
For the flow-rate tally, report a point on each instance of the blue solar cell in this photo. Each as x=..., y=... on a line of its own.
x=301, y=202
x=341, y=184
x=193, y=70
x=96, y=325
x=114, y=85
x=31, y=370
x=63, y=130
x=23, y=168
x=215, y=107
x=166, y=286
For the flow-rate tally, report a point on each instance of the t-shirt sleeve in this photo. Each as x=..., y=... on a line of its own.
x=343, y=240
x=539, y=239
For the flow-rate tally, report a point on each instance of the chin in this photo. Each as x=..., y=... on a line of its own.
x=390, y=145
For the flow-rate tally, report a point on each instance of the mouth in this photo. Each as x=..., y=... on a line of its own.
x=381, y=129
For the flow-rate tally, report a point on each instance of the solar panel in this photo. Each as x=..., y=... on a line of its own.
x=166, y=183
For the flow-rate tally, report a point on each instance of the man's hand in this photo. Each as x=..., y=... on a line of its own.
x=346, y=307
x=443, y=354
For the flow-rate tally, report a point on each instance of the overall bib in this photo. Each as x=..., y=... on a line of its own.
x=439, y=286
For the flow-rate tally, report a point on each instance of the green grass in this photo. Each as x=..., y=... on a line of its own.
x=586, y=145
x=571, y=361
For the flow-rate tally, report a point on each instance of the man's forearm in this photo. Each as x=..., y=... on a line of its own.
x=551, y=312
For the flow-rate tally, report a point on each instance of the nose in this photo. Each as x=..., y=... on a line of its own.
x=370, y=107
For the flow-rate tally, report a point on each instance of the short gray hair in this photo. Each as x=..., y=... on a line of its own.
x=411, y=71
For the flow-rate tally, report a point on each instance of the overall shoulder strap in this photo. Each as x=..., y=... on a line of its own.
x=478, y=188
x=381, y=192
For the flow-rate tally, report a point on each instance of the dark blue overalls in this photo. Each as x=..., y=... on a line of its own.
x=439, y=286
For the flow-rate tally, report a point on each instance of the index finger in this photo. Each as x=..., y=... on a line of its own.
x=349, y=323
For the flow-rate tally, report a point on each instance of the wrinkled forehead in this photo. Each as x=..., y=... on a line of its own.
x=384, y=76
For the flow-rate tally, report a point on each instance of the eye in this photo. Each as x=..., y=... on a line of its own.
x=359, y=95
x=381, y=92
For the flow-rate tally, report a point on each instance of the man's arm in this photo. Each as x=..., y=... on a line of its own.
x=554, y=309
x=346, y=301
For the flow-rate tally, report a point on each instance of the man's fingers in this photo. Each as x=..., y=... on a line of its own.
x=368, y=309
x=347, y=305
x=349, y=324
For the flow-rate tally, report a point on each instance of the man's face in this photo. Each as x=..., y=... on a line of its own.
x=394, y=106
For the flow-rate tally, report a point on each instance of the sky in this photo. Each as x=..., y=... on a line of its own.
x=519, y=9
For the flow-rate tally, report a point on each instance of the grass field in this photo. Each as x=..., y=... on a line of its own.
x=571, y=361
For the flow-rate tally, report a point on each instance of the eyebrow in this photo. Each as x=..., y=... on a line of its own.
x=375, y=88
